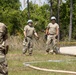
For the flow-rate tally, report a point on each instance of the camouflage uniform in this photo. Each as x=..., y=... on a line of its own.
x=27, y=43
x=51, y=40
x=3, y=50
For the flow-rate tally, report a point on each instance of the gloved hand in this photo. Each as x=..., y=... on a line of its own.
x=45, y=36
x=38, y=38
x=26, y=39
x=56, y=36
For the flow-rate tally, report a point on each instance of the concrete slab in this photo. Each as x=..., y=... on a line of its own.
x=71, y=50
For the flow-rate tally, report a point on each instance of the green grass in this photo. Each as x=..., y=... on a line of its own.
x=16, y=59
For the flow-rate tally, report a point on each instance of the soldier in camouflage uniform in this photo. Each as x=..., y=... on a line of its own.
x=3, y=49
x=52, y=32
x=29, y=30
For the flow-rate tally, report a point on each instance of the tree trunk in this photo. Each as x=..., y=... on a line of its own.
x=58, y=6
x=50, y=8
x=71, y=14
x=28, y=9
x=23, y=3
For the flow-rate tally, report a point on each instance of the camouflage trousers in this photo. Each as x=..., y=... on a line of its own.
x=3, y=66
x=27, y=45
x=51, y=43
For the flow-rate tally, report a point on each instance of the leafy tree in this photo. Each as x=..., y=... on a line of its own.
x=15, y=19
x=9, y=14
x=74, y=20
x=39, y=14
x=65, y=19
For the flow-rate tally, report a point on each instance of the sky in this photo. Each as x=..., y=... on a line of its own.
x=39, y=2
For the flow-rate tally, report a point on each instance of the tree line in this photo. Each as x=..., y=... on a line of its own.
x=16, y=19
